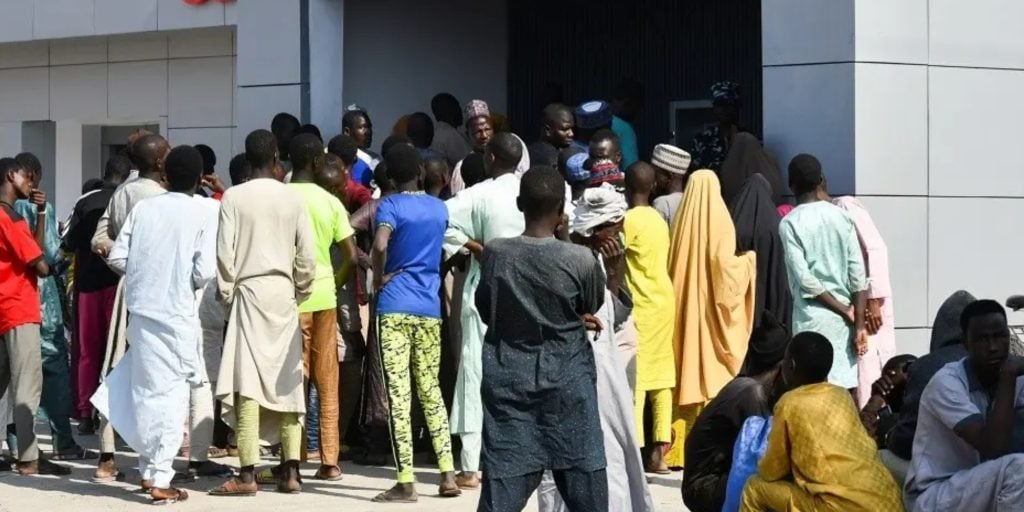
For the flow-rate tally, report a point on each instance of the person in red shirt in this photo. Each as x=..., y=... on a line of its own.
x=21, y=263
x=346, y=148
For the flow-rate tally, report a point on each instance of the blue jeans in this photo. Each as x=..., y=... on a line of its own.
x=313, y=420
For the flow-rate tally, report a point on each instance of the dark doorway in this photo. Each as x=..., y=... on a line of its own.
x=676, y=49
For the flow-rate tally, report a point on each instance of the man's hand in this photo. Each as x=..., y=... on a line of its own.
x=873, y=316
x=381, y=281
x=862, y=342
x=38, y=198
x=850, y=315
x=1013, y=366
x=592, y=323
x=611, y=249
x=213, y=182
x=103, y=250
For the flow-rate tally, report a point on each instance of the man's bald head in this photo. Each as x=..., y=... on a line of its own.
x=558, y=125
x=640, y=178
x=148, y=154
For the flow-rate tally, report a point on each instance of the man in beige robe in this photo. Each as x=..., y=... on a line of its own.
x=265, y=267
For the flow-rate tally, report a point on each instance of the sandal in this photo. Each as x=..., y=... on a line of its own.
x=217, y=453
x=211, y=469
x=396, y=495
x=320, y=474
x=179, y=495
x=75, y=453
x=234, y=487
x=42, y=467
x=267, y=476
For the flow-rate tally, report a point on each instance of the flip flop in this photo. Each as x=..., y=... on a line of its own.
x=180, y=495
x=233, y=488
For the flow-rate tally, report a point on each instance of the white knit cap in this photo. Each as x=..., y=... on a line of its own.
x=670, y=158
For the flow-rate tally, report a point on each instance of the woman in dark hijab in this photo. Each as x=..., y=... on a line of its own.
x=757, y=229
x=746, y=158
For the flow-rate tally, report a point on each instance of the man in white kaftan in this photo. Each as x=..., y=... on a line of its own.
x=476, y=216
x=166, y=251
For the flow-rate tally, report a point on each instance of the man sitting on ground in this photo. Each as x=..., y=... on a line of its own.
x=819, y=456
x=966, y=417
x=709, y=446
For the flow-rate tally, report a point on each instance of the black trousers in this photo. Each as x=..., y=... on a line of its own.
x=582, y=491
x=705, y=493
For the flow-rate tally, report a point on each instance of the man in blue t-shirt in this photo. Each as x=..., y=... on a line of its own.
x=406, y=268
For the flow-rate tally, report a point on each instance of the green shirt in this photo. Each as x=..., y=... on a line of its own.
x=330, y=225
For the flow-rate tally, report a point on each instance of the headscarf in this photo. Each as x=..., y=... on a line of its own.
x=946, y=328
x=747, y=157
x=757, y=229
x=599, y=205
x=714, y=290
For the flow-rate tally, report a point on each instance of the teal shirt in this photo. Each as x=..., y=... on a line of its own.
x=50, y=287
x=627, y=141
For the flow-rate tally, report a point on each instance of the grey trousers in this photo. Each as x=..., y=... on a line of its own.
x=21, y=370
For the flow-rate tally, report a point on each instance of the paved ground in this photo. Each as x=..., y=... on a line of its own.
x=352, y=494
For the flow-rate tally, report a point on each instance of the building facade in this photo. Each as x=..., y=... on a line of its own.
x=910, y=104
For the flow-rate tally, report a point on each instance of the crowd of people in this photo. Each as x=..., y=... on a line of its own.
x=570, y=317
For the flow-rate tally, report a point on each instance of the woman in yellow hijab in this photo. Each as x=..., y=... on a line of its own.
x=714, y=290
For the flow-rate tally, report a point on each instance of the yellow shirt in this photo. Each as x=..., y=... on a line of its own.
x=818, y=442
x=330, y=225
x=654, y=299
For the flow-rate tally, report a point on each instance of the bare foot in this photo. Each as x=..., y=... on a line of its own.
x=41, y=467
x=106, y=471
x=400, y=493
x=448, y=488
x=656, y=460
x=467, y=480
x=167, y=496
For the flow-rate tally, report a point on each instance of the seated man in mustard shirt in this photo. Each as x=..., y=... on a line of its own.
x=819, y=456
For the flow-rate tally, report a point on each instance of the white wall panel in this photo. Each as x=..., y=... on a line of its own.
x=986, y=33
x=974, y=126
x=200, y=92
x=25, y=94
x=83, y=50
x=206, y=42
x=16, y=22
x=62, y=18
x=78, y=92
x=256, y=106
x=137, y=47
x=122, y=16
x=10, y=138
x=138, y=90
x=219, y=139
x=970, y=248
x=890, y=31
x=281, y=18
x=175, y=14
x=810, y=109
x=25, y=54
x=913, y=341
x=891, y=159
x=825, y=33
